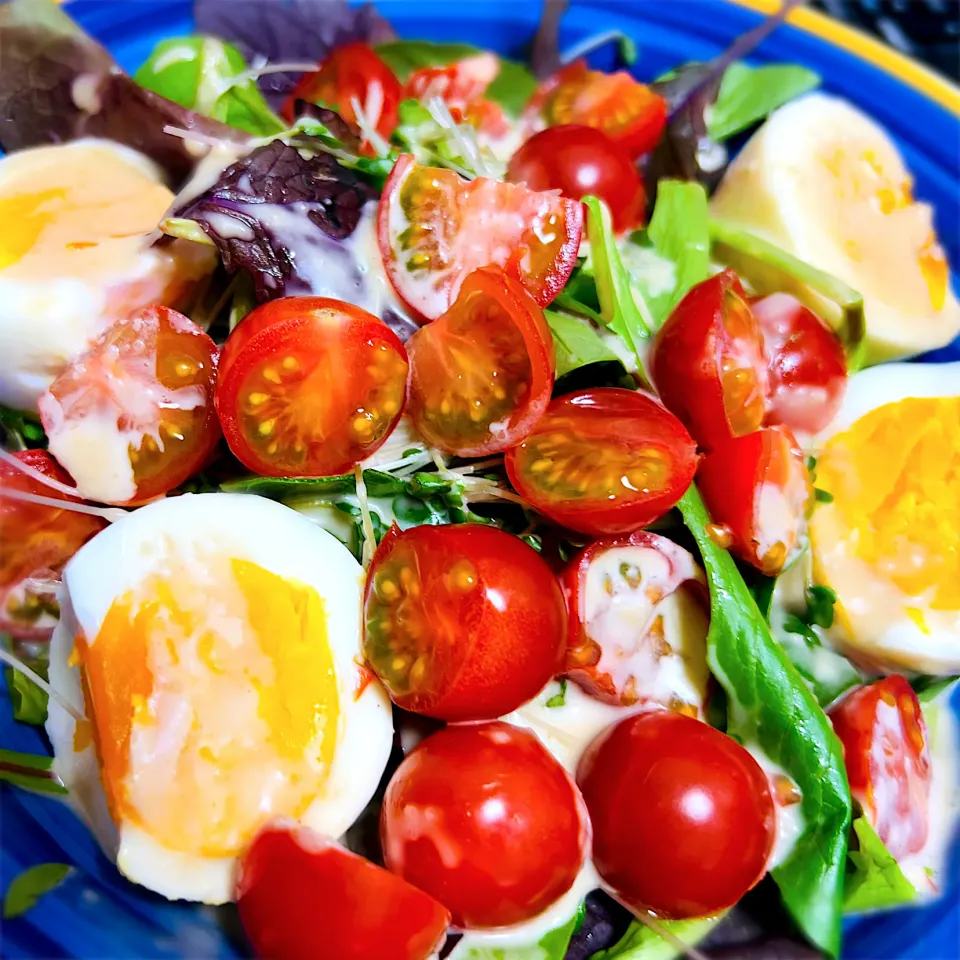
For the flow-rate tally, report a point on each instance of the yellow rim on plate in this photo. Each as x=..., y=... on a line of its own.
x=914, y=74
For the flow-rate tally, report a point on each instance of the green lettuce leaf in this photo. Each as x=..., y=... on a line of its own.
x=576, y=342
x=874, y=879
x=29, y=771
x=29, y=701
x=641, y=942
x=552, y=946
x=29, y=886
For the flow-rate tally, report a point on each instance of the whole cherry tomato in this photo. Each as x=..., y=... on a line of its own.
x=483, y=818
x=682, y=815
x=463, y=622
x=133, y=417
x=617, y=591
x=301, y=896
x=708, y=362
x=603, y=460
x=887, y=756
x=578, y=160
x=309, y=387
x=758, y=491
x=806, y=365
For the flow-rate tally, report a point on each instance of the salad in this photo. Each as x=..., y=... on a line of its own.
x=454, y=507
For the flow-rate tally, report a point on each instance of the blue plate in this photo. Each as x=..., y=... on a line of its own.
x=96, y=914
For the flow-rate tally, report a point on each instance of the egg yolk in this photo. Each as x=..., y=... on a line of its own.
x=895, y=480
x=215, y=703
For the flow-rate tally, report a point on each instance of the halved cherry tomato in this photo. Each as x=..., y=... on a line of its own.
x=133, y=417
x=309, y=386
x=481, y=375
x=806, y=365
x=604, y=460
x=758, y=490
x=483, y=818
x=887, y=756
x=301, y=896
x=708, y=362
x=37, y=541
x=435, y=228
x=617, y=591
x=463, y=622
x=622, y=107
x=578, y=160
x=683, y=819
x=351, y=72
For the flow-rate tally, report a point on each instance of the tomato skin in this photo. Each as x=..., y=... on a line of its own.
x=806, y=365
x=579, y=160
x=601, y=435
x=37, y=541
x=348, y=72
x=483, y=818
x=660, y=568
x=434, y=213
x=887, y=756
x=310, y=386
x=708, y=362
x=758, y=488
x=510, y=354
x=683, y=818
x=475, y=613
x=302, y=896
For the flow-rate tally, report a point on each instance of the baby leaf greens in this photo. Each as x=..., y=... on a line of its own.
x=576, y=342
x=30, y=771
x=642, y=942
x=26, y=889
x=552, y=946
x=874, y=880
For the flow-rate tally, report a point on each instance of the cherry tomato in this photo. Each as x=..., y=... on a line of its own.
x=463, y=622
x=351, y=72
x=483, y=818
x=682, y=815
x=885, y=746
x=481, y=375
x=302, y=897
x=309, y=387
x=617, y=592
x=758, y=491
x=37, y=541
x=133, y=417
x=806, y=365
x=581, y=160
x=708, y=362
x=622, y=107
x=435, y=228
x=604, y=460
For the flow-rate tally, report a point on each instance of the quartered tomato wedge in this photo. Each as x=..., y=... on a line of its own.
x=481, y=375
x=37, y=541
x=887, y=756
x=309, y=386
x=435, y=228
x=352, y=72
x=618, y=593
x=622, y=107
x=758, y=491
x=462, y=622
x=133, y=417
x=708, y=362
x=604, y=461
x=301, y=896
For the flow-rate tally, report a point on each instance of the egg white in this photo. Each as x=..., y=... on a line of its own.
x=280, y=541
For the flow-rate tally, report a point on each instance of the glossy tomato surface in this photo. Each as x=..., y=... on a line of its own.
x=133, y=417
x=758, y=490
x=301, y=896
x=483, y=818
x=309, y=386
x=462, y=622
x=604, y=460
x=578, y=161
x=887, y=754
x=481, y=375
x=617, y=591
x=806, y=365
x=708, y=362
x=683, y=819
x=431, y=238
